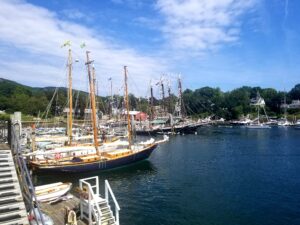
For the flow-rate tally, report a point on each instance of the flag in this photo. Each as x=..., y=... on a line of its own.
x=83, y=45
x=67, y=43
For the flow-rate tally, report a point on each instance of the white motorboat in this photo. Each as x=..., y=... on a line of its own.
x=258, y=126
x=284, y=122
x=297, y=124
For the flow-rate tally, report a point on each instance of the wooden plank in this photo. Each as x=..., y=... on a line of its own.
x=57, y=210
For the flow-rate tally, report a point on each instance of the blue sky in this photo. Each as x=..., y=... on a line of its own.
x=218, y=43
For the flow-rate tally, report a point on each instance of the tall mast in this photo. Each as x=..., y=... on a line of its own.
x=180, y=96
x=93, y=102
x=70, y=98
x=127, y=107
x=285, y=116
x=181, y=105
x=111, y=99
x=95, y=88
x=151, y=102
x=163, y=95
x=169, y=99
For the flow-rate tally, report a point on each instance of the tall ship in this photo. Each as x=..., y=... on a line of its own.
x=106, y=156
x=167, y=117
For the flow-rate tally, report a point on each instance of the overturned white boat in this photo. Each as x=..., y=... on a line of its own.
x=50, y=192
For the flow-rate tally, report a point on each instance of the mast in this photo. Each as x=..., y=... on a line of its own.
x=169, y=99
x=151, y=103
x=70, y=98
x=127, y=108
x=163, y=95
x=95, y=88
x=285, y=116
x=111, y=99
x=258, y=114
x=180, y=97
x=93, y=102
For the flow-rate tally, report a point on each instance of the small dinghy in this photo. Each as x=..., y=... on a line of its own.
x=50, y=192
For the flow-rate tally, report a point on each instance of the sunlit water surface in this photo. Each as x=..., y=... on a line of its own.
x=220, y=176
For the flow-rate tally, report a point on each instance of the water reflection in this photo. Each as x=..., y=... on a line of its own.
x=142, y=168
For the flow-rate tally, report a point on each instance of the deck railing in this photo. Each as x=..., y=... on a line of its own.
x=108, y=191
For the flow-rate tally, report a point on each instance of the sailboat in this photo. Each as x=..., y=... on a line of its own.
x=297, y=124
x=111, y=156
x=284, y=121
x=53, y=146
x=165, y=119
x=258, y=102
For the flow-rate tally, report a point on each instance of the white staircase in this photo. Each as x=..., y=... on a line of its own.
x=94, y=208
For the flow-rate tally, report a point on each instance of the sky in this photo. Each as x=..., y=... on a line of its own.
x=217, y=43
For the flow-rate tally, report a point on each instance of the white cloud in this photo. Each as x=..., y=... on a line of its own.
x=40, y=33
x=74, y=14
x=201, y=25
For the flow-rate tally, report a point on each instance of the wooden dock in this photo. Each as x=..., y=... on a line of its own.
x=57, y=211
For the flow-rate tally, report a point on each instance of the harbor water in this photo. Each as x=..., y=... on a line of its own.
x=220, y=176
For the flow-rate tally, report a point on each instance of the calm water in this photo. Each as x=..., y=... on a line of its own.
x=220, y=176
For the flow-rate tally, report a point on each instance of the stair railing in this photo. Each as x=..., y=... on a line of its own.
x=92, y=203
x=108, y=191
x=28, y=190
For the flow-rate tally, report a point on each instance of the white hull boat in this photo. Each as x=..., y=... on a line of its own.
x=258, y=126
x=51, y=192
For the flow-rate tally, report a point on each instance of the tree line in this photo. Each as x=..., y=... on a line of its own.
x=201, y=102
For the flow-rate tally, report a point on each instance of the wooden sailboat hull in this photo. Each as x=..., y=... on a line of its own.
x=99, y=164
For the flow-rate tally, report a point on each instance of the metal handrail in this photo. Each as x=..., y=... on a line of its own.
x=26, y=178
x=91, y=198
x=108, y=190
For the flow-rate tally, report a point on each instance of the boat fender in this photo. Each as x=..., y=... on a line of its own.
x=57, y=155
x=72, y=220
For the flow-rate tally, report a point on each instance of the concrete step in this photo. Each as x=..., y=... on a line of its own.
x=12, y=205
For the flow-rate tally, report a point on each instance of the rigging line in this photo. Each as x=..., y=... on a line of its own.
x=45, y=113
x=50, y=102
x=76, y=102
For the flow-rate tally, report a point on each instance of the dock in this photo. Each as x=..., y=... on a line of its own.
x=19, y=204
x=12, y=206
x=57, y=211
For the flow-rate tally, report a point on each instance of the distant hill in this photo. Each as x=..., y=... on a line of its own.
x=200, y=102
x=32, y=100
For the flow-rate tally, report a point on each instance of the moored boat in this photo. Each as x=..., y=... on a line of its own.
x=118, y=155
x=51, y=192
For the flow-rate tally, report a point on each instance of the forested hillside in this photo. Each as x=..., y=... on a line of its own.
x=233, y=104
